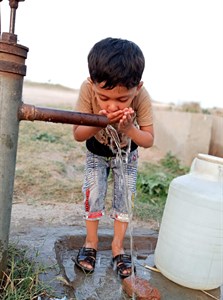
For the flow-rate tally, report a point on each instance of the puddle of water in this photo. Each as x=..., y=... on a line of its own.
x=104, y=282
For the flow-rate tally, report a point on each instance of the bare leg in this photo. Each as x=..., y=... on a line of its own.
x=91, y=240
x=118, y=239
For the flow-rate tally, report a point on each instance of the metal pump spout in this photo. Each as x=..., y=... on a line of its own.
x=32, y=113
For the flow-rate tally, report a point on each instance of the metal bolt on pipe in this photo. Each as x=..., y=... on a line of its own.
x=12, y=111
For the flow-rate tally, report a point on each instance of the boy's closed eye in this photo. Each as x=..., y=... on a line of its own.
x=121, y=99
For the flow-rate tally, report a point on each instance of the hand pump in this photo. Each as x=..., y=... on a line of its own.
x=12, y=111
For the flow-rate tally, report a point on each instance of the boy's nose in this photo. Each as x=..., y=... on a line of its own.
x=112, y=107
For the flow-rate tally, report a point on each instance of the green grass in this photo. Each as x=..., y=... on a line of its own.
x=152, y=187
x=49, y=164
x=21, y=279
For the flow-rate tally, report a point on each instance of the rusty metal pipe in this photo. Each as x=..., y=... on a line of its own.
x=32, y=113
x=14, y=5
x=12, y=21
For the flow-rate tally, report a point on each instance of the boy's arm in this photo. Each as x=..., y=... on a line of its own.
x=143, y=136
x=82, y=133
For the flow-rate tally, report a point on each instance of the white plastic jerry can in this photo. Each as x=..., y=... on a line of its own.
x=189, y=249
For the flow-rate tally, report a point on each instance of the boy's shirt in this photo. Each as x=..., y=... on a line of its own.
x=141, y=104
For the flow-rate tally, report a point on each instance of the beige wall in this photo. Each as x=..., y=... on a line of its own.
x=187, y=134
x=216, y=144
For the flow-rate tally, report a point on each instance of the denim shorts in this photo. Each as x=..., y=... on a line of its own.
x=95, y=185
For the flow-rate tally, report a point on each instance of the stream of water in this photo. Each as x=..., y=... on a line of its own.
x=121, y=158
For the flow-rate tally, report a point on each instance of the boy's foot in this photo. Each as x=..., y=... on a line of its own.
x=122, y=263
x=85, y=259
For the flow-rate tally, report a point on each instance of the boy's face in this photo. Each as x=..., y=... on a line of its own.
x=115, y=99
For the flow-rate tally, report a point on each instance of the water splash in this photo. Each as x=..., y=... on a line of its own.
x=121, y=157
x=120, y=153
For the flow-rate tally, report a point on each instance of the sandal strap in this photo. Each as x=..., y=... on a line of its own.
x=88, y=255
x=123, y=259
x=123, y=262
x=87, y=252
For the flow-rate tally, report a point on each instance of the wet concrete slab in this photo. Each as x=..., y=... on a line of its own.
x=56, y=246
x=104, y=282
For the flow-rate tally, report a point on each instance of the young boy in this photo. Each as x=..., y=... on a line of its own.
x=115, y=90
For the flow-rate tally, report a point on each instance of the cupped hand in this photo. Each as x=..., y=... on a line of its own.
x=126, y=122
x=113, y=117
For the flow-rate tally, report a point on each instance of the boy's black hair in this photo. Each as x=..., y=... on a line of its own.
x=116, y=62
